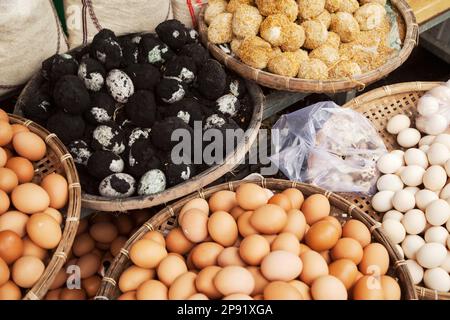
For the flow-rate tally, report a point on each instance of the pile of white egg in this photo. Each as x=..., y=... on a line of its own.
x=434, y=110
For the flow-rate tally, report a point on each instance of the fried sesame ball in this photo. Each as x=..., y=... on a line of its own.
x=233, y=5
x=285, y=64
x=326, y=53
x=213, y=9
x=324, y=18
x=313, y=69
x=273, y=29
x=333, y=39
x=345, y=69
x=349, y=6
x=332, y=5
x=309, y=9
x=316, y=34
x=294, y=37
x=382, y=2
x=246, y=21
x=235, y=45
x=286, y=7
x=370, y=16
x=220, y=30
x=345, y=25
x=255, y=52
x=275, y=51
x=301, y=55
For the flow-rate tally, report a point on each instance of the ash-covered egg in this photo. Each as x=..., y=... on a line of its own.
x=109, y=138
x=141, y=108
x=71, y=95
x=152, y=182
x=153, y=51
x=144, y=76
x=119, y=85
x=80, y=151
x=92, y=73
x=105, y=48
x=228, y=105
x=173, y=32
x=117, y=185
x=182, y=68
x=170, y=90
x=104, y=163
x=102, y=110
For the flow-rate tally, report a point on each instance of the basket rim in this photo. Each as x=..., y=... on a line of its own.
x=292, y=84
x=110, y=280
x=63, y=250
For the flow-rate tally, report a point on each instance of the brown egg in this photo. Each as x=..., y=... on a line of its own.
x=322, y=235
x=55, y=214
x=204, y=282
x=10, y=291
x=4, y=202
x=237, y=296
x=101, y=217
x=205, y=254
x=195, y=226
x=124, y=224
x=83, y=244
x=183, y=287
x=29, y=145
x=117, y=244
x=304, y=248
x=181, y=215
x=223, y=200
x=236, y=212
x=295, y=196
x=57, y=189
x=302, y=288
x=170, y=268
x=328, y=288
x=254, y=248
x=91, y=285
x=130, y=295
x=282, y=201
x=269, y=219
x=3, y=157
x=287, y=242
x=314, y=266
x=89, y=264
x=357, y=230
x=368, y=288
x=82, y=226
x=104, y=232
x=176, y=242
x=72, y=294
x=391, y=289
x=11, y=246
x=270, y=238
x=32, y=249
x=347, y=248
x=250, y=196
x=4, y=272
x=296, y=223
x=197, y=203
x=230, y=257
x=198, y=296
x=155, y=236
x=223, y=228
x=375, y=260
x=345, y=270
x=23, y=168
x=44, y=231
x=6, y=133
x=8, y=180
x=16, y=128
x=260, y=281
x=15, y=221
x=141, y=216
x=234, y=279
x=9, y=153
x=315, y=208
x=30, y=198
x=133, y=277
x=326, y=255
x=147, y=253
x=281, y=265
x=258, y=297
x=244, y=226
x=4, y=115
x=60, y=279
x=335, y=222
x=26, y=271
x=279, y=290
x=152, y=290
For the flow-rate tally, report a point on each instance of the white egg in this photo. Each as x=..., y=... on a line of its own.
x=415, y=156
x=393, y=215
x=438, y=154
x=445, y=192
x=424, y=197
x=442, y=93
x=437, y=279
x=389, y=182
x=382, y=201
x=412, y=176
x=400, y=251
x=388, y=163
x=411, y=245
x=434, y=178
x=437, y=212
x=415, y=270
x=394, y=230
x=447, y=167
x=428, y=105
x=398, y=123
x=427, y=140
x=431, y=255
x=446, y=264
x=414, y=221
x=400, y=154
x=412, y=190
x=424, y=148
x=443, y=138
x=436, y=234
x=434, y=124
x=408, y=138
x=403, y=200
x=399, y=171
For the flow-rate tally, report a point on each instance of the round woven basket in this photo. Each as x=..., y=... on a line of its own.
x=379, y=106
x=202, y=179
x=59, y=160
x=271, y=80
x=166, y=219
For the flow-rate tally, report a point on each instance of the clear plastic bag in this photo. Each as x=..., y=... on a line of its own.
x=329, y=146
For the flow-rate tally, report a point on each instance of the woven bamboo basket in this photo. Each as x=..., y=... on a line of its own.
x=379, y=106
x=267, y=79
x=166, y=219
x=59, y=160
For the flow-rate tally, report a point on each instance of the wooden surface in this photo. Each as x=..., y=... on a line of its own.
x=426, y=10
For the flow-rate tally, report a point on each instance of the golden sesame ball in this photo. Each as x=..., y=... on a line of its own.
x=220, y=30
x=285, y=64
x=301, y=55
x=326, y=53
x=273, y=29
x=345, y=69
x=246, y=21
x=287, y=7
x=308, y=9
x=370, y=16
x=275, y=51
x=345, y=25
x=316, y=34
x=294, y=37
x=324, y=18
x=313, y=69
x=213, y=9
x=333, y=39
x=255, y=52
x=234, y=4
x=349, y=6
x=382, y=2
x=332, y=5
x=235, y=45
